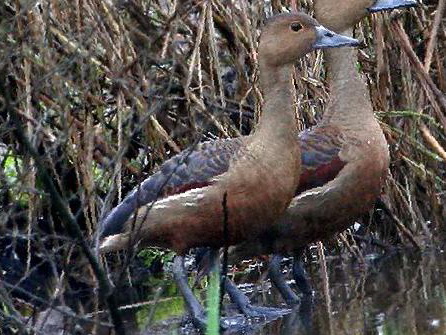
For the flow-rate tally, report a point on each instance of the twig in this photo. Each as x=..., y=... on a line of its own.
x=224, y=266
x=14, y=314
x=326, y=284
x=433, y=36
x=432, y=141
x=62, y=209
x=423, y=76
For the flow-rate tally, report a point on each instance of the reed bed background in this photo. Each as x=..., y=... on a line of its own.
x=104, y=91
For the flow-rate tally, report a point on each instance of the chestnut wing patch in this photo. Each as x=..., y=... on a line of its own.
x=320, y=147
x=185, y=171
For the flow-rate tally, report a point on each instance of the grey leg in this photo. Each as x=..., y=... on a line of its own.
x=192, y=304
x=299, y=274
x=277, y=278
x=244, y=304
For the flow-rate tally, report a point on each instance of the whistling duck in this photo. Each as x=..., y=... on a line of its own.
x=182, y=202
x=344, y=158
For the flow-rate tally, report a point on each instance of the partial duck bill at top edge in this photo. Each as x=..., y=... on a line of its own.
x=381, y=5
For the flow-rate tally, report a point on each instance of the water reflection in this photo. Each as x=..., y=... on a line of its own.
x=400, y=293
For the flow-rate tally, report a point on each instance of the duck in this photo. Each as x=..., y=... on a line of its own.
x=182, y=205
x=345, y=159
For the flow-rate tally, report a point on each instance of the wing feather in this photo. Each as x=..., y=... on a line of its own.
x=185, y=171
x=320, y=147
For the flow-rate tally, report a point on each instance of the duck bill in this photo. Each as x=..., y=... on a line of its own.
x=329, y=39
x=381, y=5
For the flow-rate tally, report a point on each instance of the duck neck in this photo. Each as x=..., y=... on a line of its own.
x=349, y=104
x=278, y=120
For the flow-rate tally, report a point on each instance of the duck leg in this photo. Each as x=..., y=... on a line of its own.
x=277, y=278
x=299, y=273
x=192, y=304
x=244, y=304
x=207, y=261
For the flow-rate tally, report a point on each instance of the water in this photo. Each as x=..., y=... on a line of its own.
x=400, y=293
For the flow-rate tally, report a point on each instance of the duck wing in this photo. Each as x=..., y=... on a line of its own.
x=192, y=168
x=321, y=161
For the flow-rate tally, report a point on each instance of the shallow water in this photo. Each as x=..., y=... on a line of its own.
x=399, y=293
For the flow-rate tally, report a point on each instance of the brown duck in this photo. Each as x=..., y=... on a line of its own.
x=182, y=202
x=344, y=159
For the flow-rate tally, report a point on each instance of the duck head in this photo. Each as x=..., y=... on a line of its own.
x=287, y=37
x=339, y=15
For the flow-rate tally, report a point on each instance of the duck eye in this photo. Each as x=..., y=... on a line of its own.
x=295, y=26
